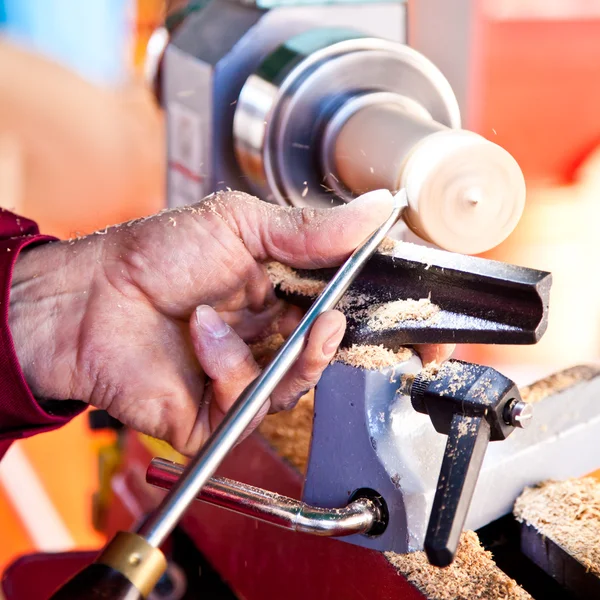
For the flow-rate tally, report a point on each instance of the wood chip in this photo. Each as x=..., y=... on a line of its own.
x=567, y=512
x=473, y=574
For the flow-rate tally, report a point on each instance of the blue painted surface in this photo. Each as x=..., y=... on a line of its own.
x=89, y=36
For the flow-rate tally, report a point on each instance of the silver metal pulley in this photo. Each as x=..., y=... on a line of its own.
x=332, y=114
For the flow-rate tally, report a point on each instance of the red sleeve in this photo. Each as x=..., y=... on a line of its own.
x=20, y=414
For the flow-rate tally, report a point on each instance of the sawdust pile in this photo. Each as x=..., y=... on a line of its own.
x=567, y=512
x=289, y=432
x=558, y=382
x=372, y=358
x=473, y=574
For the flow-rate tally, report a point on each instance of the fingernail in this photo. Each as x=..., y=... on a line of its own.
x=210, y=322
x=333, y=341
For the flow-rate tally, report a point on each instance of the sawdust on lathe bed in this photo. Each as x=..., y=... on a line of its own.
x=372, y=358
x=558, y=382
x=473, y=574
x=289, y=432
x=567, y=512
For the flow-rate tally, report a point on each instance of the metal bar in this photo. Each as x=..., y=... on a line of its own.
x=160, y=524
x=359, y=516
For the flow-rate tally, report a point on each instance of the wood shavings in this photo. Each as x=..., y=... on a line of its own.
x=389, y=314
x=352, y=301
x=356, y=305
x=289, y=432
x=567, y=512
x=473, y=574
x=289, y=281
x=264, y=349
x=372, y=358
x=558, y=382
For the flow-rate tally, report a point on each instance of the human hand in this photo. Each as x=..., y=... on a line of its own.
x=149, y=320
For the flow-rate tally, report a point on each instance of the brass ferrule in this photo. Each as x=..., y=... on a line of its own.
x=135, y=559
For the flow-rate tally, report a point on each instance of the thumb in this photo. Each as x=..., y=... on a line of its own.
x=308, y=237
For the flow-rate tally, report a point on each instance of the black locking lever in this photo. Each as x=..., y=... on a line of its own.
x=472, y=405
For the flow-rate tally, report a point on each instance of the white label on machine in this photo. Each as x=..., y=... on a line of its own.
x=186, y=181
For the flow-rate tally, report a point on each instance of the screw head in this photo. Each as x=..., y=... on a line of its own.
x=518, y=413
x=135, y=559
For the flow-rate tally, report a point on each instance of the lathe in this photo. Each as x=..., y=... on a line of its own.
x=265, y=99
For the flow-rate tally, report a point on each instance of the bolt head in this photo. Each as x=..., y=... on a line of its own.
x=519, y=413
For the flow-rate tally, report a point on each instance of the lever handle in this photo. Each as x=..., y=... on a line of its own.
x=472, y=405
x=465, y=450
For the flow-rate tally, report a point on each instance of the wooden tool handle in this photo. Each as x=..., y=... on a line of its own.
x=98, y=582
x=127, y=569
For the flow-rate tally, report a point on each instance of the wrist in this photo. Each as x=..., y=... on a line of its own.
x=48, y=298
